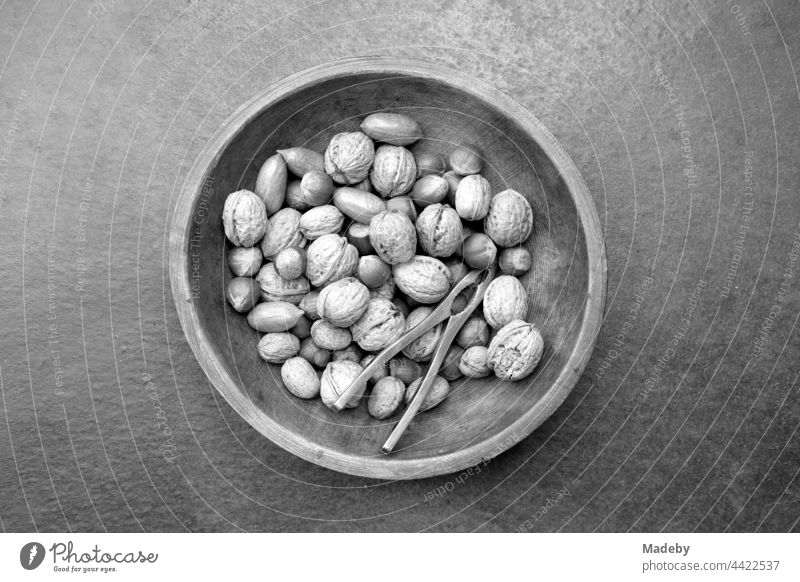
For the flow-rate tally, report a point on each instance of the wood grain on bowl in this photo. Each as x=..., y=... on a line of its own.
x=566, y=282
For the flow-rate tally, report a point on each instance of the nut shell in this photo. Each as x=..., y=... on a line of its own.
x=244, y=218
x=439, y=230
x=422, y=348
x=343, y=302
x=391, y=128
x=245, y=261
x=473, y=363
x=423, y=279
x=283, y=232
x=276, y=348
x=330, y=258
x=505, y=301
x=274, y=316
x=271, y=183
x=510, y=219
x=242, y=293
x=348, y=157
x=321, y=220
x=385, y=398
x=336, y=378
x=394, y=170
x=380, y=325
x=329, y=337
x=393, y=237
x=515, y=351
x=473, y=197
x=300, y=378
x=438, y=391
x=276, y=288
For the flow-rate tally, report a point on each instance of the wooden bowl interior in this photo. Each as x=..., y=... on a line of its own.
x=557, y=283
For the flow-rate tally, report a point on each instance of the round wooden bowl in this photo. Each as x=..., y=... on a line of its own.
x=480, y=418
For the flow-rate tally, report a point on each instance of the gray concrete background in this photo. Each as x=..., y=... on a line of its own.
x=682, y=117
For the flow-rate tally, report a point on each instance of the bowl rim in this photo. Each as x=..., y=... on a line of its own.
x=387, y=467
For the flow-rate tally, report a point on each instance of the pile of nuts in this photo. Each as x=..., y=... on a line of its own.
x=337, y=255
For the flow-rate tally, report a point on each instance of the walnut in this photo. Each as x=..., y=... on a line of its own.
x=515, y=351
x=300, y=378
x=393, y=237
x=393, y=171
x=423, y=279
x=349, y=157
x=439, y=230
x=283, y=232
x=244, y=218
x=343, y=302
x=473, y=197
x=422, y=348
x=505, y=300
x=436, y=393
x=328, y=336
x=276, y=348
x=473, y=362
x=276, y=288
x=510, y=219
x=380, y=325
x=336, y=378
x=330, y=258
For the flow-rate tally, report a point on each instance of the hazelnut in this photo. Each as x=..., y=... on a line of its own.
x=351, y=353
x=336, y=378
x=314, y=354
x=243, y=293
x=393, y=171
x=349, y=157
x=321, y=220
x=465, y=160
x=479, y=251
x=358, y=236
x=402, y=306
x=391, y=128
x=244, y=218
x=309, y=305
x=245, y=261
x=393, y=237
x=343, y=302
x=515, y=261
x=300, y=160
x=423, y=279
x=473, y=362
x=380, y=325
x=276, y=348
x=300, y=378
x=458, y=269
x=302, y=329
x=403, y=204
x=271, y=183
x=438, y=391
x=422, y=348
x=372, y=271
x=429, y=163
x=439, y=230
x=510, y=219
x=328, y=336
x=473, y=197
x=515, y=351
x=428, y=190
x=330, y=258
x=453, y=180
x=283, y=232
x=291, y=263
x=475, y=332
x=316, y=188
x=294, y=196
x=276, y=288
x=450, y=369
x=385, y=398
x=505, y=300
x=274, y=316
x=405, y=369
